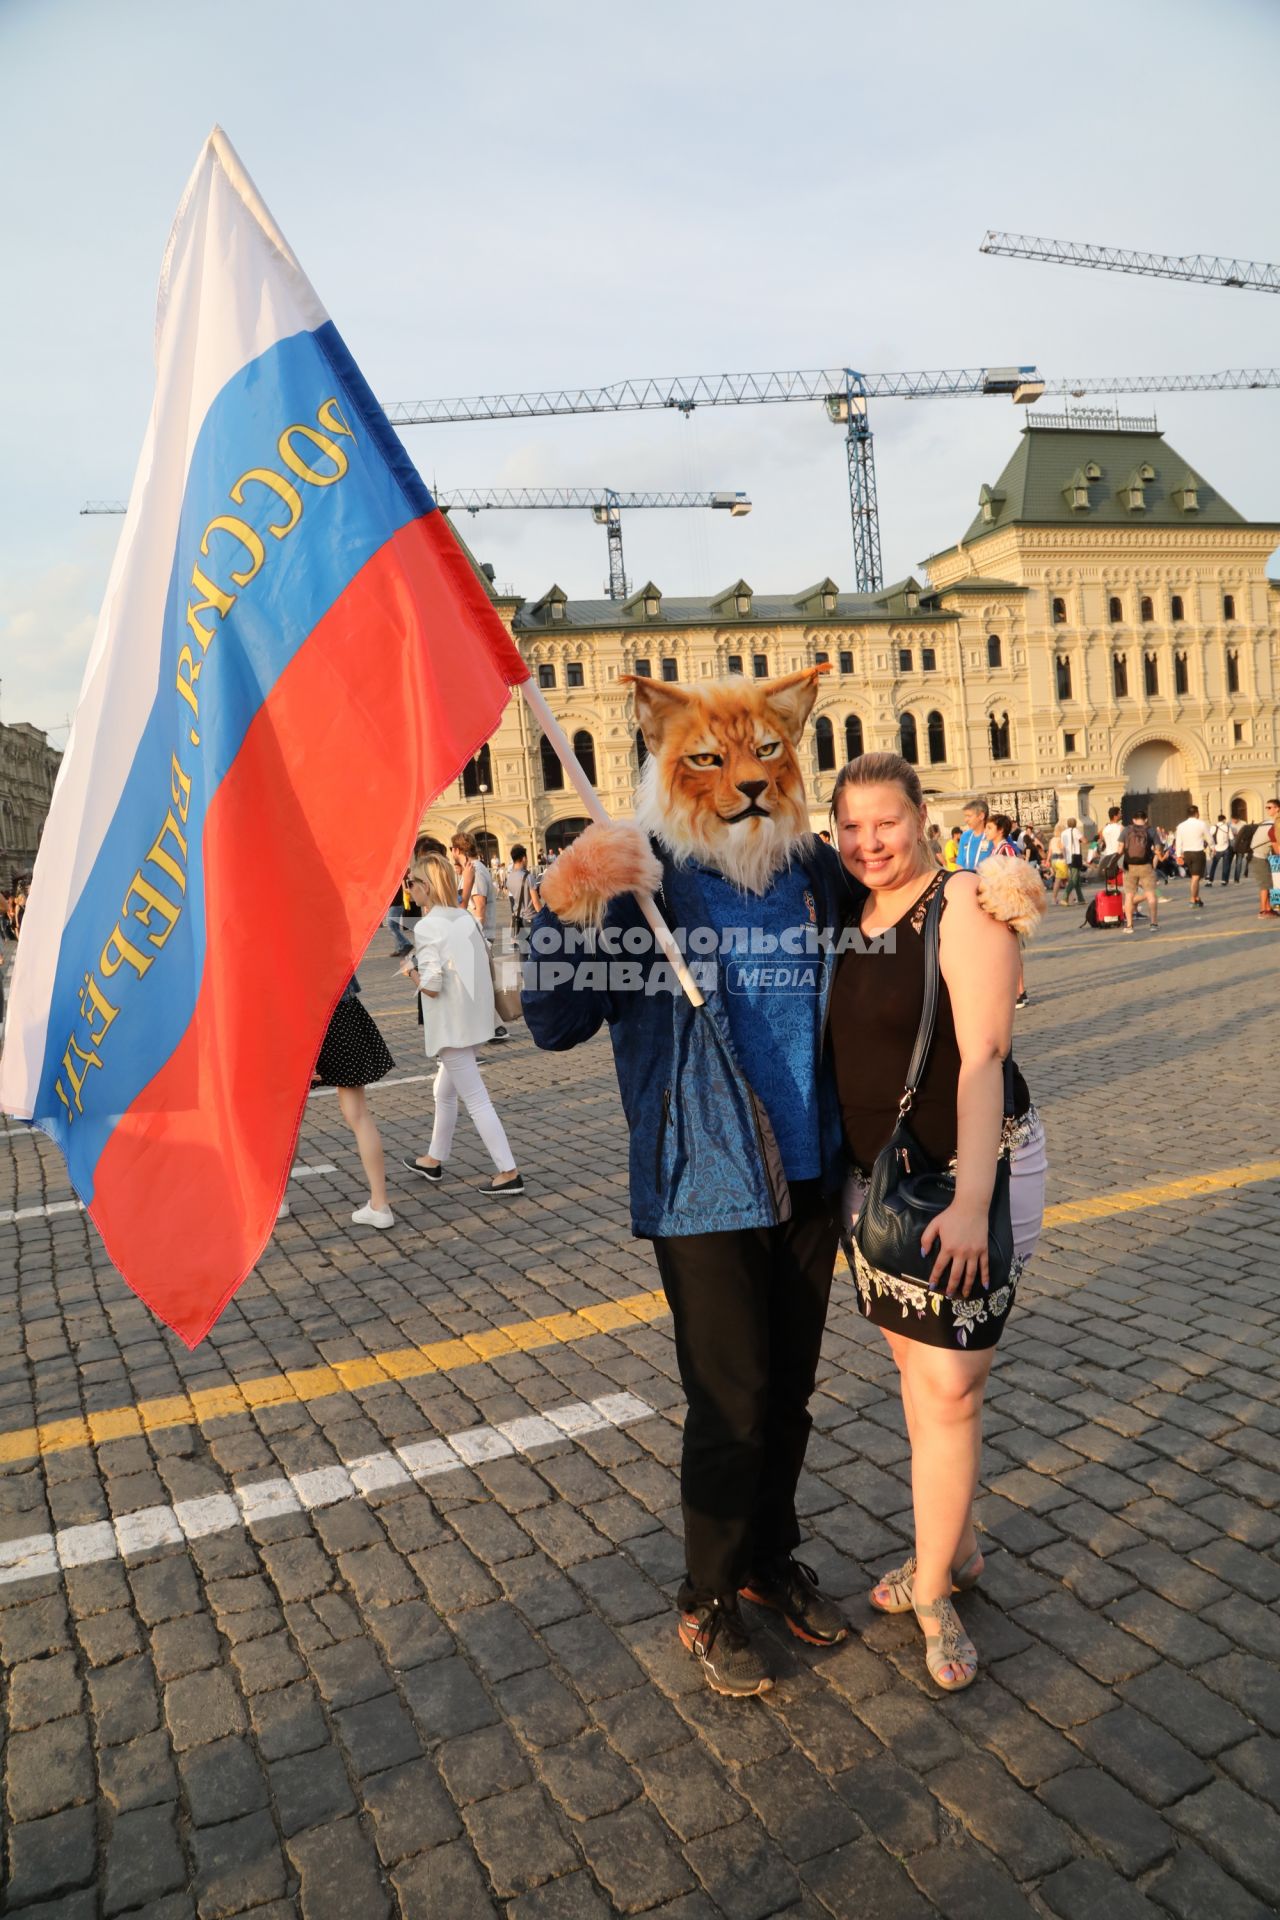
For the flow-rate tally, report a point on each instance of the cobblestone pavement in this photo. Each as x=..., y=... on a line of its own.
x=440, y=1679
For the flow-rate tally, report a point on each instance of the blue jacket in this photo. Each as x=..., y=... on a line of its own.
x=703, y=1154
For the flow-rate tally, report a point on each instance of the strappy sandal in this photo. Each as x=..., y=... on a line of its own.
x=900, y=1581
x=950, y=1646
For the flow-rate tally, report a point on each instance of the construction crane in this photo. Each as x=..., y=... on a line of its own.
x=844, y=393
x=604, y=504
x=1205, y=268
x=1233, y=379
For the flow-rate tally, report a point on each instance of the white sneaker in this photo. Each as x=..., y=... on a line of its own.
x=282, y=1211
x=380, y=1217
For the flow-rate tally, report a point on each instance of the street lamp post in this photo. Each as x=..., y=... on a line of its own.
x=482, y=790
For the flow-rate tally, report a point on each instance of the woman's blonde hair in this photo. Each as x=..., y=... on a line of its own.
x=438, y=877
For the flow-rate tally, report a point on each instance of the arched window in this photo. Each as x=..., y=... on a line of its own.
x=936, y=731
x=998, y=728
x=1228, y=606
x=478, y=773
x=909, y=745
x=1115, y=612
x=994, y=650
x=552, y=771
x=642, y=751
x=1146, y=610
x=853, y=737
x=1062, y=670
x=1175, y=606
x=585, y=748
x=1059, y=613
x=824, y=735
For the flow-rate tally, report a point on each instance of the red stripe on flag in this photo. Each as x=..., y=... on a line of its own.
x=303, y=843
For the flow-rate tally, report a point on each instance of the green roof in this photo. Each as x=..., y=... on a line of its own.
x=1091, y=476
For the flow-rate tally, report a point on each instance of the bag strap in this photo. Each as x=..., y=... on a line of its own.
x=929, y=1013
x=929, y=1006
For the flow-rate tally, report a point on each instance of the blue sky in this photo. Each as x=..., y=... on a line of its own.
x=514, y=195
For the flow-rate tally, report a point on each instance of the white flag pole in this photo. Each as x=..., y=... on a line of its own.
x=591, y=801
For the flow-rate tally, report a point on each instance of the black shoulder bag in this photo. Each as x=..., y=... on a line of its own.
x=907, y=1191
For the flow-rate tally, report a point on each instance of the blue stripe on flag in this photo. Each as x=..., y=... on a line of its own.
x=300, y=576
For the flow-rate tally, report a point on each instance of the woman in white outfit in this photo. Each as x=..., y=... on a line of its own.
x=451, y=966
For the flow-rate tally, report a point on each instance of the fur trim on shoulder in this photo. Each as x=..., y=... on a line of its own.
x=1012, y=891
x=600, y=864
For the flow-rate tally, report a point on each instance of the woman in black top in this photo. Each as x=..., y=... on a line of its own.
x=942, y=1335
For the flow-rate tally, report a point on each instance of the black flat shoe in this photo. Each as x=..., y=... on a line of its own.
x=502, y=1187
x=428, y=1173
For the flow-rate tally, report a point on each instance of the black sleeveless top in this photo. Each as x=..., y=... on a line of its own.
x=875, y=1014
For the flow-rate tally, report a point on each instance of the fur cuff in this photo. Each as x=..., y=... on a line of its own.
x=1012, y=891
x=600, y=864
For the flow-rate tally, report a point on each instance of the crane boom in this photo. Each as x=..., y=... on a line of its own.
x=1232, y=379
x=1206, y=268
x=597, y=499
x=686, y=392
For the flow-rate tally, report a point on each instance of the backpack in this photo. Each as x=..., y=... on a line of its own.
x=1138, y=846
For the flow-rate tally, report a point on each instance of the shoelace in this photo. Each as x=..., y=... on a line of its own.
x=720, y=1617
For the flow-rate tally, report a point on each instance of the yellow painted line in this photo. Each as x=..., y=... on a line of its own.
x=1099, y=1206
x=206, y=1404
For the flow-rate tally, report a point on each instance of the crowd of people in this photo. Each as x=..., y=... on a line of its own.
x=1196, y=850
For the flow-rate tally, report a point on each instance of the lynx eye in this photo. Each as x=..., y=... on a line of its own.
x=767, y=749
x=705, y=759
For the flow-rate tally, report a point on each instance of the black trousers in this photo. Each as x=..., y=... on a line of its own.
x=749, y=1311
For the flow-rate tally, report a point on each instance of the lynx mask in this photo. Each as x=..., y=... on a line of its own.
x=722, y=784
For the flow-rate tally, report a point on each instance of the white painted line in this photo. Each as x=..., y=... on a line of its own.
x=150, y=1527
x=9, y=1216
x=322, y=1486
x=480, y=1443
x=147, y=1528
x=216, y=1513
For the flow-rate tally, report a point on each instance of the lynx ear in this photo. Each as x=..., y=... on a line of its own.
x=657, y=704
x=791, y=698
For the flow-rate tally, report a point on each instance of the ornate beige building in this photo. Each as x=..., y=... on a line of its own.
x=28, y=768
x=1104, y=627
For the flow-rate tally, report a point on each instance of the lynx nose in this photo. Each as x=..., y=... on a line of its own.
x=752, y=788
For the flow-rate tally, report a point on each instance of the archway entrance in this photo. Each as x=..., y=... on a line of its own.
x=1155, y=777
x=561, y=833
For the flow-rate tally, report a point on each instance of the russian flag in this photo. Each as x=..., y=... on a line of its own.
x=293, y=658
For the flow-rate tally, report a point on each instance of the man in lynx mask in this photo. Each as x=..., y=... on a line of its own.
x=735, y=1132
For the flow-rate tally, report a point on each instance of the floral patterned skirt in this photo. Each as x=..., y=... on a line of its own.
x=924, y=1313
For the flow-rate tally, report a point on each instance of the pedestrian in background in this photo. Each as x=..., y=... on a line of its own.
x=1073, y=854
x=1221, y=842
x=1190, y=845
x=451, y=971
x=975, y=842
x=1139, y=847
x=352, y=1056
x=1265, y=841
x=478, y=893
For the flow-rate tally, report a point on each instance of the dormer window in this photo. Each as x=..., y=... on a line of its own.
x=1133, y=493
x=990, y=500
x=911, y=598
x=652, y=606
x=1187, y=497
x=556, y=609
x=829, y=601
x=1092, y=470
x=742, y=601
x=1076, y=492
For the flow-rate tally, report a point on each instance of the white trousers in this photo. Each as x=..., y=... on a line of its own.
x=459, y=1077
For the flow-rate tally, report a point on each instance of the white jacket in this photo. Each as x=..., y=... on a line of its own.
x=453, y=964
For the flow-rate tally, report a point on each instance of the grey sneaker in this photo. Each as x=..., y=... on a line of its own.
x=717, y=1637
x=791, y=1589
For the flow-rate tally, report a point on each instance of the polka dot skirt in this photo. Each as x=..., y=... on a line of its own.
x=354, y=1053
